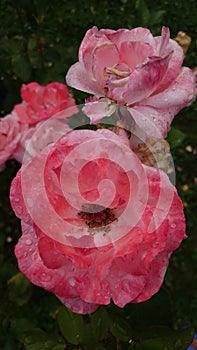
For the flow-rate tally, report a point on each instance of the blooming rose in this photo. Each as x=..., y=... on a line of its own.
x=97, y=224
x=133, y=68
x=10, y=134
x=42, y=102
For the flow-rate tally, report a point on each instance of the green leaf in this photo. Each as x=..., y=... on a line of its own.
x=59, y=347
x=72, y=326
x=26, y=331
x=99, y=323
x=157, y=16
x=33, y=337
x=21, y=67
x=175, y=137
x=13, y=46
x=165, y=338
x=45, y=346
x=155, y=311
x=19, y=289
x=121, y=329
x=32, y=44
x=9, y=343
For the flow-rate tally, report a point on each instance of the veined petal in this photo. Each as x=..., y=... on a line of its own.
x=177, y=96
x=145, y=79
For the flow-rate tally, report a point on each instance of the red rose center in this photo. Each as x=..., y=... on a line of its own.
x=95, y=215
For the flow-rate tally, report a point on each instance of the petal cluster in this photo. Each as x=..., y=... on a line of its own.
x=39, y=120
x=97, y=224
x=42, y=102
x=133, y=68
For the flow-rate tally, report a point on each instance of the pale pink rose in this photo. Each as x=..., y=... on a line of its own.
x=97, y=224
x=36, y=138
x=10, y=134
x=42, y=102
x=133, y=68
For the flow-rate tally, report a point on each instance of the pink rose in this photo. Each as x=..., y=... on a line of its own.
x=10, y=134
x=42, y=102
x=97, y=224
x=133, y=68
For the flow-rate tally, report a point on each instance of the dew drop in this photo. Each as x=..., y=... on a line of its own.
x=173, y=226
x=16, y=199
x=19, y=210
x=28, y=242
x=45, y=278
x=30, y=202
x=31, y=230
x=72, y=281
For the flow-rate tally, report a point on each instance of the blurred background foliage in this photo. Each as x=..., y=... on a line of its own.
x=39, y=40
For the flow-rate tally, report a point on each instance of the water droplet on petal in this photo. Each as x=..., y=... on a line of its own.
x=155, y=244
x=19, y=210
x=72, y=281
x=30, y=202
x=173, y=225
x=28, y=241
x=16, y=199
x=45, y=278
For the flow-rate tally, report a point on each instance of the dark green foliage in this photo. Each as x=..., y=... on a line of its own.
x=39, y=40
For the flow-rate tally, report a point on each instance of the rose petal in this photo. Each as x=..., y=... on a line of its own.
x=134, y=53
x=78, y=78
x=144, y=80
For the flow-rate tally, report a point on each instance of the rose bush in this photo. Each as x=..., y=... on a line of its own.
x=97, y=224
x=133, y=68
x=42, y=102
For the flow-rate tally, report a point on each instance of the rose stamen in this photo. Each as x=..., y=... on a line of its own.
x=96, y=216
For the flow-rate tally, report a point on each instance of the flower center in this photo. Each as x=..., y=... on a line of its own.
x=96, y=215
